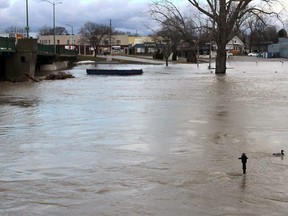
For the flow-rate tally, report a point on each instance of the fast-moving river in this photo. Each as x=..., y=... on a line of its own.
x=165, y=143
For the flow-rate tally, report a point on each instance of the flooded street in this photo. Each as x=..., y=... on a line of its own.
x=165, y=143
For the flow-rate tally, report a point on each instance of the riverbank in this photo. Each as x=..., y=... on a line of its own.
x=132, y=59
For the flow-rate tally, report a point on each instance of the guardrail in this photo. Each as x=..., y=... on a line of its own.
x=49, y=49
x=7, y=44
x=64, y=51
x=45, y=49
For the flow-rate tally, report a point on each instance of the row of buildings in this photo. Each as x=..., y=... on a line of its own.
x=119, y=44
x=124, y=44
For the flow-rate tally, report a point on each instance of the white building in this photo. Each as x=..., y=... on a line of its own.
x=235, y=44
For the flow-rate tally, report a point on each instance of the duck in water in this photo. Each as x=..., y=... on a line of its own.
x=279, y=154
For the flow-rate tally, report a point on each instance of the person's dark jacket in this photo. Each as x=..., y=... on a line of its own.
x=243, y=158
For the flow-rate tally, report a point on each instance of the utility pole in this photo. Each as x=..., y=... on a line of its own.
x=54, y=27
x=110, y=34
x=27, y=20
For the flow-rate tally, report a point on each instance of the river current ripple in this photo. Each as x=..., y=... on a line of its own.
x=164, y=143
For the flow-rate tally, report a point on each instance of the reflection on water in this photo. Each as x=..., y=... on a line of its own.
x=243, y=183
x=164, y=143
x=21, y=102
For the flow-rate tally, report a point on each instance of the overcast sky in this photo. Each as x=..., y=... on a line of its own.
x=126, y=15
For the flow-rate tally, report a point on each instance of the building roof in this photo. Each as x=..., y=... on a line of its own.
x=235, y=41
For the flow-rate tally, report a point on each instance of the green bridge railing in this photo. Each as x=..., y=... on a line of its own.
x=49, y=49
x=45, y=49
x=64, y=51
x=7, y=44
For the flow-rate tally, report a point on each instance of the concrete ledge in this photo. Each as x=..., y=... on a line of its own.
x=55, y=66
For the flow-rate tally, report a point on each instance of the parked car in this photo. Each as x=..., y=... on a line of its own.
x=229, y=54
x=254, y=54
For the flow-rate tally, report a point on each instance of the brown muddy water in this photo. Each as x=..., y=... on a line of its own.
x=165, y=143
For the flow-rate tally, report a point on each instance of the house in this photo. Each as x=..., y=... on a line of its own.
x=235, y=45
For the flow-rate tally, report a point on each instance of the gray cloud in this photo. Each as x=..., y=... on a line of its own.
x=126, y=15
x=4, y=4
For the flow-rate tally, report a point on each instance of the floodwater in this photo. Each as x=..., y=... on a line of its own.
x=165, y=143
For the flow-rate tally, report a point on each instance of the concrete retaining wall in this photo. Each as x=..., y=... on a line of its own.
x=23, y=61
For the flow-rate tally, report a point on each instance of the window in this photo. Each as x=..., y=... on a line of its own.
x=118, y=42
x=106, y=42
x=68, y=42
x=58, y=42
x=23, y=59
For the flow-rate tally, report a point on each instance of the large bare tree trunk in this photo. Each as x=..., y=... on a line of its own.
x=222, y=35
x=221, y=60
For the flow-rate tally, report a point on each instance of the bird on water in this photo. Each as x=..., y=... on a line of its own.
x=279, y=154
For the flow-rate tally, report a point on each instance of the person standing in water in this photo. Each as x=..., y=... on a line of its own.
x=243, y=159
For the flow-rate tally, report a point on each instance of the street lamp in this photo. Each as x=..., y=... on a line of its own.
x=27, y=22
x=72, y=39
x=54, y=39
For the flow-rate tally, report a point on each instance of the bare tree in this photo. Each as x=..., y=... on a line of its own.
x=227, y=16
x=255, y=27
x=46, y=30
x=164, y=45
x=94, y=34
x=261, y=32
x=13, y=30
x=167, y=40
x=175, y=24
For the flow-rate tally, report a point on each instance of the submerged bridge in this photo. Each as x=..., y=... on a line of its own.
x=18, y=61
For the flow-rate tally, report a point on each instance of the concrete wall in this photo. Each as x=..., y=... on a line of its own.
x=23, y=61
x=59, y=65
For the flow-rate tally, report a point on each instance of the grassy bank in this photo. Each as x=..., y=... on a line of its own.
x=88, y=58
